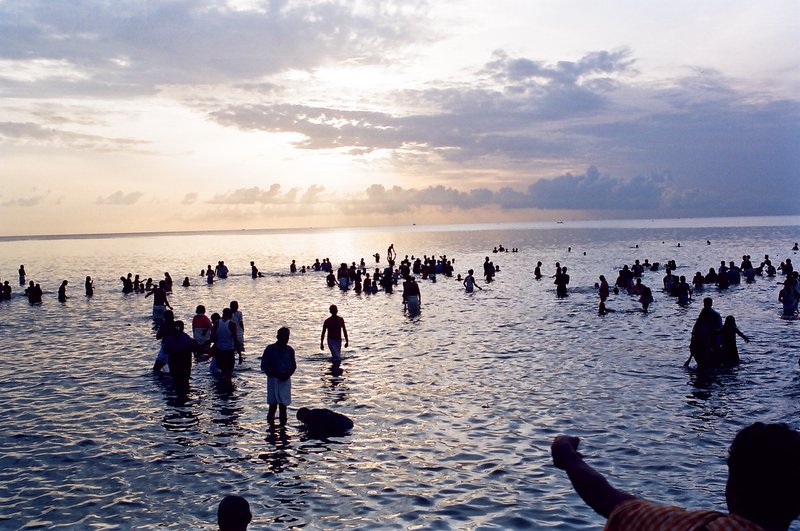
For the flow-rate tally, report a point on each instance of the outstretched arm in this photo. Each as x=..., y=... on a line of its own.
x=590, y=485
x=746, y=339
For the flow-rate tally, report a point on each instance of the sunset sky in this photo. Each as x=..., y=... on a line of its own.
x=191, y=115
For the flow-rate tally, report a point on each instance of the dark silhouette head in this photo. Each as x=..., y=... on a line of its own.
x=707, y=302
x=234, y=306
x=169, y=316
x=333, y=309
x=283, y=335
x=764, y=475
x=227, y=313
x=302, y=414
x=233, y=514
x=201, y=309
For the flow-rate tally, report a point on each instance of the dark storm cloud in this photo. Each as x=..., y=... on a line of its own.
x=588, y=191
x=131, y=47
x=593, y=191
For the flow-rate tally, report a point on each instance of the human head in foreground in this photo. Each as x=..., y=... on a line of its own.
x=233, y=514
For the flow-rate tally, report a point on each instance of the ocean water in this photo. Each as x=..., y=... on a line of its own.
x=454, y=408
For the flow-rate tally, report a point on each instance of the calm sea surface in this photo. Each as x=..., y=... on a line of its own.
x=454, y=409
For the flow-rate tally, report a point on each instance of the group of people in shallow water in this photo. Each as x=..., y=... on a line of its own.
x=220, y=339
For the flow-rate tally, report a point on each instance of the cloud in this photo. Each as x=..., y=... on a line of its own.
x=190, y=198
x=134, y=48
x=120, y=198
x=255, y=195
x=31, y=201
x=589, y=191
x=29, y=133
x=593, y=191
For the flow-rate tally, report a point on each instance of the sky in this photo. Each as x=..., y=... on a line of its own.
x=120, y=116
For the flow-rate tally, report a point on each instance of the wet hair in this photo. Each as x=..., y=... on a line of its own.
x=233, y=514
x=764, y=474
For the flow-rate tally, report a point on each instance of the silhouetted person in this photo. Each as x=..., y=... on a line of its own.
x=561, y=281
x=469, y=282
x=334, y=326
x=762, y=487
x=729, y=352
x=225, y=345
x=186, y=282
x=62, y=291
x=537, y=272
x=160, y=302
x=704, y=344
x=411, y=295
x=21, y=275
x=89, y=285
x=179, y=348
x=166, y=329
x=233, y=514
x=324, y=422
x=279, y=364
x=253, y=269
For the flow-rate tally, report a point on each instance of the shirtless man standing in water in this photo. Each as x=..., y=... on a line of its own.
x=334, y=326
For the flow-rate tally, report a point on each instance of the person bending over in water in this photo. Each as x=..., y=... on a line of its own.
x=324, y=422
x=761, y=491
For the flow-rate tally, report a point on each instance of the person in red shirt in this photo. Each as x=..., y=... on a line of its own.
x=201, y=329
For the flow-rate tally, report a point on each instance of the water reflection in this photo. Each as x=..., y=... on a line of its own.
x=278, y=459
x=333, y=378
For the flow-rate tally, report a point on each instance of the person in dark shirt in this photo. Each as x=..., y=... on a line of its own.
x=179, y=348
x=278, y=363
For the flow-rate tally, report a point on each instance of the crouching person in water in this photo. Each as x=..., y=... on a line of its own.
x=761, y=492
x=324, y=422
x=278, y=363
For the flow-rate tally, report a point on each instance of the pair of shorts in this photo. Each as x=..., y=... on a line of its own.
x=335, y=346
x=226, y=360
x=158, y=312
x=279, y=391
